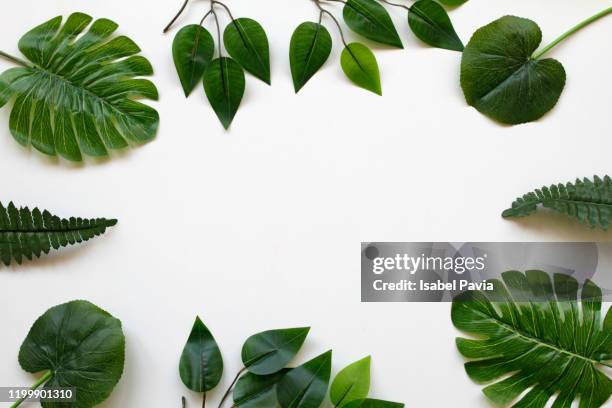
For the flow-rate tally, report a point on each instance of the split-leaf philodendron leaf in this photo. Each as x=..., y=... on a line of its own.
x=537, y=341
x=257, y=391
x=371, y=20
x=246, y=41
x=76, y=345
x=311, y=45
x=224, y=83
x=351, y=383
x=431, y=24
x=589, y=202
x=360, y=66
x=373, y=403
x=26, y=233
x=305, y=386
x=77, y=95
x=270, y=351
x=192, y=49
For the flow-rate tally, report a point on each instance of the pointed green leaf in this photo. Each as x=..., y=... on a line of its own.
x=305, y=386
x=224, y=84
x=432, y=25
x=351, y=383
x=360, y=66
x=246, y=41
x=371, y=20
x=192, y=49
x=201, y=365
x=270, y=351
x=257, y=391
x=310, y=47
x=373, y=403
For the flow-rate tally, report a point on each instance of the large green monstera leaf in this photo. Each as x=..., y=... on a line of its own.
x=77, y=94
x=534, y=336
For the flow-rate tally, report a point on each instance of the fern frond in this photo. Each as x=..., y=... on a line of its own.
x=587, y=201
x=26, y=233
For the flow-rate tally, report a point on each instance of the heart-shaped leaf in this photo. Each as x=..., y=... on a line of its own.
x=500, y=78
x=305, y=386
x=310, y=47
x=360, y=66
x=371, y=20
x=351, y=383
x=224, y=84
x=193, y=49
x=257, y=391
x=432, y=25
x=81, y=346
x=201, y=365
x=270, y=351
x=373, y=403
x=246, y=41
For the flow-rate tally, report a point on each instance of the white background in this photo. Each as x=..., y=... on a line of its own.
x=260, y=227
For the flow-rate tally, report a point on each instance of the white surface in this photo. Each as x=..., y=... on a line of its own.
x=260, y=227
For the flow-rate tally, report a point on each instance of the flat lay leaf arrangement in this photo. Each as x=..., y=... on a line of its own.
x=77, y=92
x=536, y=337
x=28, y=234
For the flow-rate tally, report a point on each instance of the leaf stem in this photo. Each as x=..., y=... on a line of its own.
x=226, y=9
x=204, y=401
x=177, y=16
x=395, y=4
x=571, y=31
x=15, y=59
x=324, y=11
x=242, y=370
x=46, y=377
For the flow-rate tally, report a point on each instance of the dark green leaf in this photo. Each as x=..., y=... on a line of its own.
x=536, y=340
x=201, y=365
x=373, y=403
x=452, y=2
x=500, y=78
x=305, y=386
x=246, y=41
x=589, y=202
x=257, y=391
x=431, y=23
x=351, y=383
x=79, y=96
x=224, y=84
x=192, y=49
x=82, y=346
x=310, y=47
x=270, y=351
x=360, y=66
x=371, y=20
x=29, y=234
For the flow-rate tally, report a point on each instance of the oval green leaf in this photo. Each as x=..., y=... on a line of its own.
x=201, y=365
x=246, y=41
x=431, y=24
x=373, y=403
x=82, y=346
x=193, y=49
x=500, y=78
x=360, y=66
x=257, y=391
x=351, y=383
x=270, y=351
x=305, y=386
x=371, y=20
x=311, y=45
x=224, y=84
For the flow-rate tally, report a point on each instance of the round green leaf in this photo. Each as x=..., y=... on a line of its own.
x=270, y=351
x=192, y=49
x=371, y=20
x=373, y=403
x=246, y=41
x=310, y=47
x=431, y=24
x=500, y=78
x=360, y=66
x=224, y=84
x=201, y=365
x=257, y=391
x=82, y=346
x=305, y=386
x=351, y=383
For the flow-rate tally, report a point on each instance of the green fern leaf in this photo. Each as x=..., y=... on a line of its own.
x=589, y=202
x=26, y=233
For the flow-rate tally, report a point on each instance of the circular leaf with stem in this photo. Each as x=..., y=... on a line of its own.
x=193, y=49
x=431, y=24
x=246, y=41
x=360, y=66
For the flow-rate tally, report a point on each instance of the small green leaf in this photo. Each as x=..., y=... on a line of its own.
x=432, y=25
x=257, y=391
x=452, y=3
x=201, y=365
x=246, y=41
x=351, y=383
x=500, y=78
x=311, y=45
x=192, y=49
x=270, y=351
x=82, y=346
x=224, y=84
x=305, y=386
x=360, y=66
x=371, y=20
x=373, y=403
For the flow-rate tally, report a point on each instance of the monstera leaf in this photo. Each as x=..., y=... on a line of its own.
x=535, y=337
x=77, y=94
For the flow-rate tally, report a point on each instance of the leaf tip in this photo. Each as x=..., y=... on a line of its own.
x=509, y=213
